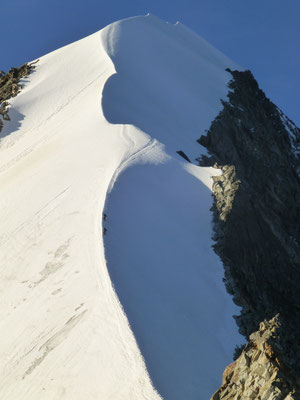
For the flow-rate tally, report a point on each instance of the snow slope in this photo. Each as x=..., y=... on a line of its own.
x=106, y=115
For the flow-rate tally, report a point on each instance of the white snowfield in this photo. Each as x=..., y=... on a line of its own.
x=140, y=312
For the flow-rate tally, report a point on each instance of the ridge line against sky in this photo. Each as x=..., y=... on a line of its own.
x=261, y=36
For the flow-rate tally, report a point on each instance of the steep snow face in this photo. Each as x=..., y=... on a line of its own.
x=65, y=334
x=169, y=81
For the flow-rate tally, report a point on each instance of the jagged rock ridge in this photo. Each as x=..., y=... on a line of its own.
x=10, y=86
x=260, y=372
x=257, y=210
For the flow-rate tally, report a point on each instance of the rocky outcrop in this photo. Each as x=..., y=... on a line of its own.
x=10, y=86
x=256, y=212
x=225, y=187
x=261, y=371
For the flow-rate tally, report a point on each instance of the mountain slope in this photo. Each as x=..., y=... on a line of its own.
x=128, y=96
x=256, y=224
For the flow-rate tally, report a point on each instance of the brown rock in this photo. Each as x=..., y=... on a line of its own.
x=257, y=373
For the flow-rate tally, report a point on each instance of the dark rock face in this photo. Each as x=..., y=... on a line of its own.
x=256, y=210
x=10, y=87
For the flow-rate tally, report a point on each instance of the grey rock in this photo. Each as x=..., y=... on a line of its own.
x=256, y=216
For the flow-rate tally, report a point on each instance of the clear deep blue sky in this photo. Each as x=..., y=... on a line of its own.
x=261, y=35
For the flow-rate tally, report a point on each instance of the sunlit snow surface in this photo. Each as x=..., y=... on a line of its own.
x=147, y=315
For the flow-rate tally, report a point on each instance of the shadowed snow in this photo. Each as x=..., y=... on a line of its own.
x=168, y=83
x=64, y=333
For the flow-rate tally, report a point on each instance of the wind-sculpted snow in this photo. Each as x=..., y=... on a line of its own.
x=168, y=81
x=158, y=224
x=168, y=279
x=65, y=334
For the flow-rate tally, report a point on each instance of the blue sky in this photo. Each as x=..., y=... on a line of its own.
x=261, y=35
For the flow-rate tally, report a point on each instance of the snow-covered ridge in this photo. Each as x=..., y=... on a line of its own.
x=190, y=80
x=76, y=126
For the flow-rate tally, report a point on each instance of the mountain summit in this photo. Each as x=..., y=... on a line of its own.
x=111, y=240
